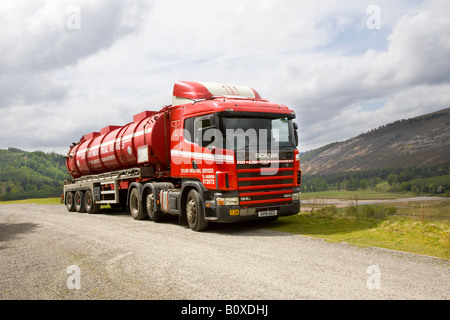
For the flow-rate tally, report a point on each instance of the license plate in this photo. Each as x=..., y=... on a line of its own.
x=267, y=213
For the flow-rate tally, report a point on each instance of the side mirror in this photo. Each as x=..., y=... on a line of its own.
x=212, y=120
x=295, y=133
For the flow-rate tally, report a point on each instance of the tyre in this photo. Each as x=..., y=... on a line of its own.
x=152, y=210
x=136, y=205
x=194, y=212
x=70, y=202
x=89, y=204
x=79, y=201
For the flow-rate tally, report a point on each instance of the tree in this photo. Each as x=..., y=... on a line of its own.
x=392, y=179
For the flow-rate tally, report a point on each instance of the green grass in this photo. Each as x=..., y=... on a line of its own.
x=34, y=201
x=421, y=234
x=438, y=180
x=424, y=210
x=416, y=236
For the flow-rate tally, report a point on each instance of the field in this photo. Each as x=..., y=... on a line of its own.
x=359, y=194
x=421, y=227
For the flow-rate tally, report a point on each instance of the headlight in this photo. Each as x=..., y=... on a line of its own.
x=296, y=196
x=233, y=201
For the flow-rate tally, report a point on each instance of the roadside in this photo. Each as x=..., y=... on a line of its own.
x=419, y=224
x=349, y=202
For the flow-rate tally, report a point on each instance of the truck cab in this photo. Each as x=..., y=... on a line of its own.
x=236, y=150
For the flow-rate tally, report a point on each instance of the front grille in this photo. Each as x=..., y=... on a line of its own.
x=258, y=198
x=265, y=182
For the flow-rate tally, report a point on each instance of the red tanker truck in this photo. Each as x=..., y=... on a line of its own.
x=219, y=153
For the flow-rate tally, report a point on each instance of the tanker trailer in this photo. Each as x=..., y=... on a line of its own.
x=104, y=163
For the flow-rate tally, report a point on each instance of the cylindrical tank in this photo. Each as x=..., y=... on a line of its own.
x=145, y=141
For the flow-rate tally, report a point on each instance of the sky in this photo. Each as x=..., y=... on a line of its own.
x=71, y=67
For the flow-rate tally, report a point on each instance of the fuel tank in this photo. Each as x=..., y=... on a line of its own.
x=143, y=142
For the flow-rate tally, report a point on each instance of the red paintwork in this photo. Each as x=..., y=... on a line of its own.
x=117, y=147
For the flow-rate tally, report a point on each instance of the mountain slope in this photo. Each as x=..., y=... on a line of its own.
x=422, y=141
x=30, y=174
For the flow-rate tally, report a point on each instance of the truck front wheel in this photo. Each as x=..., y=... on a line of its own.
x=194, y=214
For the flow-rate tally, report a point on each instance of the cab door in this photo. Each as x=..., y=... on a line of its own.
x=193, y=154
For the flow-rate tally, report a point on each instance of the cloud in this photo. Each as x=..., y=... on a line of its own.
x=326, y=89
x=316, y=57
x=42, y=39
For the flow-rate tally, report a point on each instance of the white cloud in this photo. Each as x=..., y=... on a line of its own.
x=37, y=42
x=317, y=57
x=326, y=89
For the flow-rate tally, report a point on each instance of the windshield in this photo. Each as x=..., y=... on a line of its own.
x=257, y=133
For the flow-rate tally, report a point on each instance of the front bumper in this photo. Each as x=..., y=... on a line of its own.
x=228, y=214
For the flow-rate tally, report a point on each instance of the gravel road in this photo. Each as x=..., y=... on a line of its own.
x=46, y=252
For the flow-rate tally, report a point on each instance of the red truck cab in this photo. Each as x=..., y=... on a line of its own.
x=223, y=142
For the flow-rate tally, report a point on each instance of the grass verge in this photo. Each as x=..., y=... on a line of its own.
x=34, y=201
x=376, y=226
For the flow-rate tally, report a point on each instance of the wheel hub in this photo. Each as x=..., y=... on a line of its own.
x=191, y=211
x=150, y=202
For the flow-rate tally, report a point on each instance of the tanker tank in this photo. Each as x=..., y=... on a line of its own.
x=143, y=142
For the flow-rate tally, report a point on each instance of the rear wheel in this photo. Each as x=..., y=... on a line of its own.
x=152, y=210
x=136, y=205
x=79, y=201
x=70, y=203
x=89, y=204
x=194, y=213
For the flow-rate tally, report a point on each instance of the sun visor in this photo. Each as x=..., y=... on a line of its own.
x=188, y=91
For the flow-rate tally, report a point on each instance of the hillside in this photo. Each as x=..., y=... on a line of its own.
x=423, y=141
x=30, y=174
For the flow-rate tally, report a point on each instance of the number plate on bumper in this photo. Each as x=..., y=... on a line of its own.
x=267, y=213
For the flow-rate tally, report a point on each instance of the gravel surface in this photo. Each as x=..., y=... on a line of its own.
x=43, y=246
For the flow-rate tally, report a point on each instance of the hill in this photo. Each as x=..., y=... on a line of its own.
x=35, y=174
x=422, y=141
